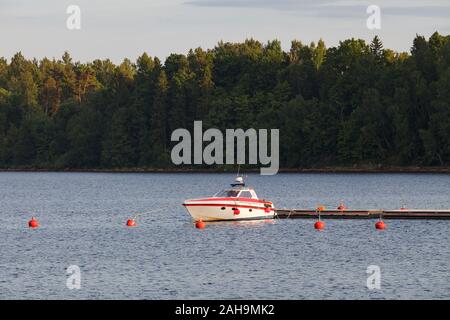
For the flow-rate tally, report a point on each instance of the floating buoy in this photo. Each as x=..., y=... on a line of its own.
x=131, y=223
x=321, y=208
x=33, y=223
x=380, y=225
x=403, y=208
x=200, y=224
x=319, y=225
x=236, y=211
x=341, y=207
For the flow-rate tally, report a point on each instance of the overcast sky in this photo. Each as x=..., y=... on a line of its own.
x=117, y=29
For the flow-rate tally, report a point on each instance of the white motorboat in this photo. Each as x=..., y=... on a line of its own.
x=236, y=203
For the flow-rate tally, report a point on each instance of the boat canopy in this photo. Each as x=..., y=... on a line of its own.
x=239, y=182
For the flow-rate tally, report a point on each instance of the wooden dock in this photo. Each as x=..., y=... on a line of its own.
x=362, y=214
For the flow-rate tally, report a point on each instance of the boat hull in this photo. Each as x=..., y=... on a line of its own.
x=223, y=210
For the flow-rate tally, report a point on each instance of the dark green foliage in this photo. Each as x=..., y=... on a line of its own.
x=354, y=104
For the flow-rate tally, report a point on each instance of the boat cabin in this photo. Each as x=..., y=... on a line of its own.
x=237, y=193
x=238, y=190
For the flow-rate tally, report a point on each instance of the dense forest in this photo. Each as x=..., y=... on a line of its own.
x=357, y=104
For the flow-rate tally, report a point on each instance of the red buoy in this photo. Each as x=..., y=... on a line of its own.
x=131, y=223
x=319, y=225
x=341, y=207
x=321, y=208
x=236, y=211
x=200, y=224
x=33, y=223
x=380, y=225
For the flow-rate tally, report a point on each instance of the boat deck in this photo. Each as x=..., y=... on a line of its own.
x=363, y=214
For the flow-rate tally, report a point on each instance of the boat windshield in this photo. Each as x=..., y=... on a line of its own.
x=227, y=194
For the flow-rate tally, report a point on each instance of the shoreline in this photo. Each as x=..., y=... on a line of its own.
x=253, y=170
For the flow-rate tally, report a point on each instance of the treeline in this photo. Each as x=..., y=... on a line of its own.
x=356, y=104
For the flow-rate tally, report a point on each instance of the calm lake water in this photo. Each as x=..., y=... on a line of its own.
x=83, y=215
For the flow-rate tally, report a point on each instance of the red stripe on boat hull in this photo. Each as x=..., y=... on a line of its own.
x=233, y=199
x=222, y=205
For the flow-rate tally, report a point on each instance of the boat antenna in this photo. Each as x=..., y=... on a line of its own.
x=239, y=179
x=245, y=177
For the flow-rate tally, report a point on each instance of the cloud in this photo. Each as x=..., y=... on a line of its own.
x=336, y=8
x=273, y=4
x=419, y=11
x=327, y=8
